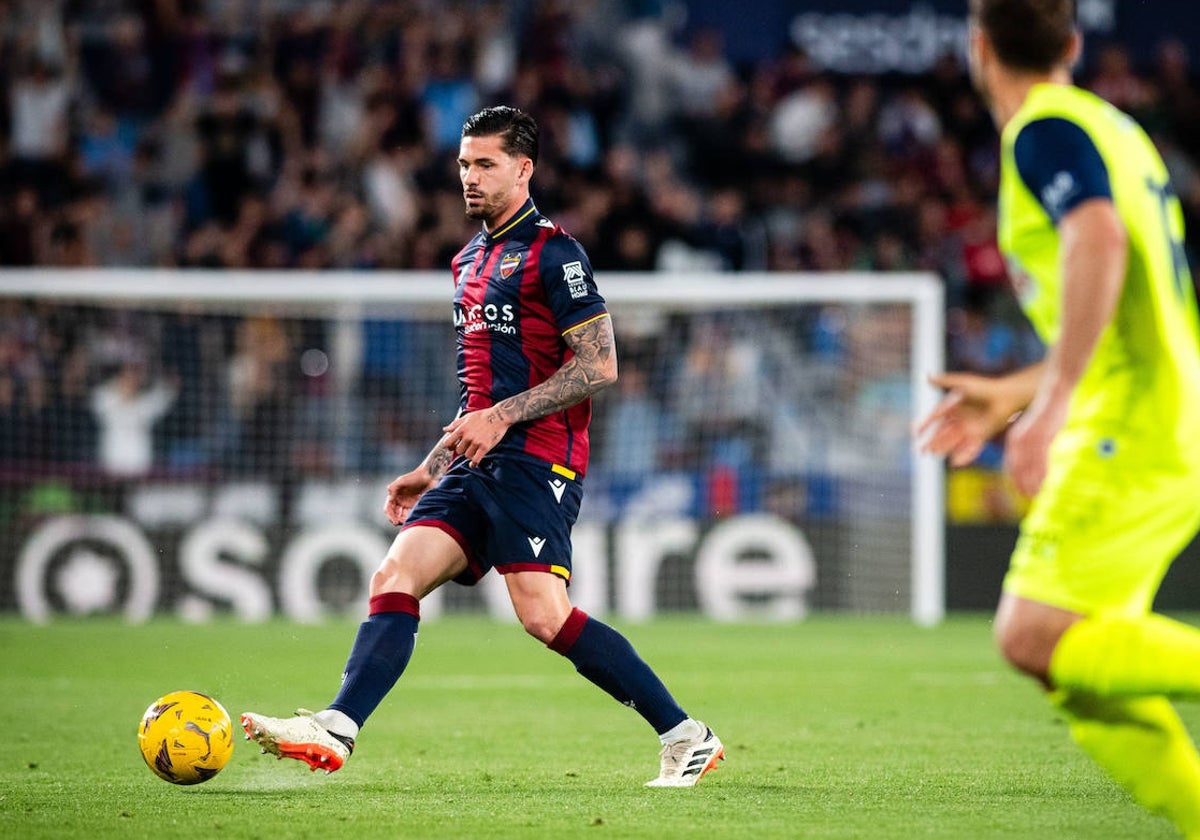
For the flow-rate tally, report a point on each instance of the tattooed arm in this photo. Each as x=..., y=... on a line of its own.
x=402, y=494
x=593, y=367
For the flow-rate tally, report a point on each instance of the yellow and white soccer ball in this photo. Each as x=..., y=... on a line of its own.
x=185, y=737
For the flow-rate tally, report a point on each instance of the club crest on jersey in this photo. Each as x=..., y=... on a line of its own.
x=508, y=265
x=575, y=279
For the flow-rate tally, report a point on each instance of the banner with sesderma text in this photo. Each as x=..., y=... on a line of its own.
x=887, y=36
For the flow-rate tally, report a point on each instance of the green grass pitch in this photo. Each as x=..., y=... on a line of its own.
x=834, y=727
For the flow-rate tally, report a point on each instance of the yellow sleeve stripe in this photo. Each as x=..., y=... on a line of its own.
x=585, y=323
x=561, y=470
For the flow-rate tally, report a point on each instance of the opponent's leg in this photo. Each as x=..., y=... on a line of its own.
x=1128, y=656
x=1107, y=673
x=1142, y=744
x=1107, y=669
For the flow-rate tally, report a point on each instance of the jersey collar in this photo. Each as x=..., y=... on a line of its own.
x=527, y=213
x=1040, y=93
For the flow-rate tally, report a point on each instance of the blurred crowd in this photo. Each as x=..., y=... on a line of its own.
x=314, y=134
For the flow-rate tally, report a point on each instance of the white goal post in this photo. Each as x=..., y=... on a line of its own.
x=764, y=398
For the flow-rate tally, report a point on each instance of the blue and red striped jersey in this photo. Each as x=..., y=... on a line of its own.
x=517, y=291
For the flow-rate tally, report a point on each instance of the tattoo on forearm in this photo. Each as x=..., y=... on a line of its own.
x=585, y=374
x=437, y=462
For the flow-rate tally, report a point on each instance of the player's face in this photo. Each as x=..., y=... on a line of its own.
x=494, y=182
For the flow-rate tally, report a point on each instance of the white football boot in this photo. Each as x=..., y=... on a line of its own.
x=299, y=737
x=684, y=762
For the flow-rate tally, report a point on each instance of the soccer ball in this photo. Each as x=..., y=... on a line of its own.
x=185, y=737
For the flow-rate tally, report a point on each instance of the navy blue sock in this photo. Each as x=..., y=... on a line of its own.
x=605, y=657
x=381, y=651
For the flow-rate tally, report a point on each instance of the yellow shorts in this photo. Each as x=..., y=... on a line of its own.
x=1099, y=539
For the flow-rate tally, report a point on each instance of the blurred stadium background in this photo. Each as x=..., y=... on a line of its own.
x=232, y=423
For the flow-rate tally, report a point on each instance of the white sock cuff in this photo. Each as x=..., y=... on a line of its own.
x=337, y=722
x=685, y=730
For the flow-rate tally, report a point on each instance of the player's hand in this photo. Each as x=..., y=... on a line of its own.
x=475, y=434
x=1027, y=447
x=974, y=410
x=402, y=495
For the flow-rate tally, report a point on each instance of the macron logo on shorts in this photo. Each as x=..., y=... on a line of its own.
x=536, y=544
x=558, y=486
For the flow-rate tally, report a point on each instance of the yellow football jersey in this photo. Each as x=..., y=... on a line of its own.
x=1139, y=400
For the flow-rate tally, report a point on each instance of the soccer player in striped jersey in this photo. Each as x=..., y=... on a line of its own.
x=1103, y=433
x=502, y=487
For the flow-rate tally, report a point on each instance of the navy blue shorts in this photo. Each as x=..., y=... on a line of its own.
x=511, y=513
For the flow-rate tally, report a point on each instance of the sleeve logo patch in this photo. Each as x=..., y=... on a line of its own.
x=575, y=279
x=1058, y=192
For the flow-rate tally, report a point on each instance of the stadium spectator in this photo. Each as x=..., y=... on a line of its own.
x=40, y=99
x=634, y=428
x=260, y=398
x=127, y=407
x=978, y=342
x=13, y=443
x=106, y=148
x=702, y=75
x=21, y=226
x=1114, y=80
x=800, y=118
x=1178, y=97
x=231, y=137
x=719, y=393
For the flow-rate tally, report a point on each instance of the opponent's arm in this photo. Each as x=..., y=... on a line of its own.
x=975, y=409
x=1093, y=256
x=592, y=367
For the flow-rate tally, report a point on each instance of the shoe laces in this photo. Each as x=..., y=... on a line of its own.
x=344, y=740
x=672, y=755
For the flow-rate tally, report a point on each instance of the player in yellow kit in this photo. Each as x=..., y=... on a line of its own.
x=1104, y=434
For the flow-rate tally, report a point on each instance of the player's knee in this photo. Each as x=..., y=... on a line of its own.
x=381, y=582
x=389, y=577
x=541, y=626
x=1025, y=647
x=542, y=620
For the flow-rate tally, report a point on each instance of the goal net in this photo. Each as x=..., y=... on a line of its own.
x=204, y=443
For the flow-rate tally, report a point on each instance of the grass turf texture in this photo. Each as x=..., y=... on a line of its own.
x=835, y=728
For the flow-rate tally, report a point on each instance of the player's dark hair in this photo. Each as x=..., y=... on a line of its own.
x=517, y=129
x=1031, y=35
